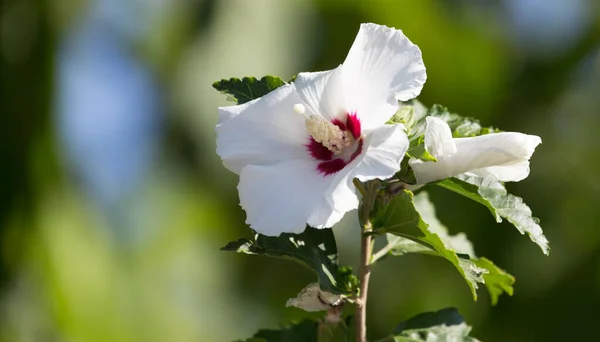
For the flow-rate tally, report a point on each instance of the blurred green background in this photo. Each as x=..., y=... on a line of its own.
x=114, y=205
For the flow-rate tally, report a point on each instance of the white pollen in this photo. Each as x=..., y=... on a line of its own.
x=299, y=108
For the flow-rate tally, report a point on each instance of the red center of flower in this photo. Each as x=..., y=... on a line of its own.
x=333, y=162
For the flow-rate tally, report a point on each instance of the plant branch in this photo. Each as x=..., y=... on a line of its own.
x=366, y=251
x=382, y=252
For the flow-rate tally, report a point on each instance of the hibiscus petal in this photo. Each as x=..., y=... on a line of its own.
x=382, y=67
x=383, y=150
x=284, y=197
x=263, y=131
x=322, y=93
x=507, y=173
x=438, y=138
x=496, y=149
x=500, y=154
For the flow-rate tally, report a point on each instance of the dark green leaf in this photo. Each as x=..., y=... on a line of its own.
x=305, y=331
x=248, y=88
x=446, y=325
x=337, y=331
x=309, y=331
x=503, y=205
x=314, y=248
x=448, y=316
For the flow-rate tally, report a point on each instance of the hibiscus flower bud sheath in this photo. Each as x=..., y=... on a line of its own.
x=500, y=156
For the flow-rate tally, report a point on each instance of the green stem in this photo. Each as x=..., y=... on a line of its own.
x=382, y=252
x=366, y=252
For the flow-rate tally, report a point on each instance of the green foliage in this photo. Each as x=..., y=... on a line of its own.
x=417, y=150
x=468, y=190
x=409, y=113
x=412, y=234
x=309, y=331
x=503, y=205
x=305, y=331
x=459, y=125
x=337, y=331
x=314, y=248
x=413, y=115
x=497, y=281
x=399, y=246
x=445, y=325
x=248, y=88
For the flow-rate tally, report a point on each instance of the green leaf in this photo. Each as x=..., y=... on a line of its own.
x=459, y=242
x=468, y=190
x=417, y=150
x=400, y=218
x=459, y=125
x=503, y=205
x=248, y=88
x=309, y=331
x=409, y=113
x=445, y=325
x=337, y=331
x=399, y=246
x=497, y=281
x=314, y=248
x=404, y=218
x=305, y=331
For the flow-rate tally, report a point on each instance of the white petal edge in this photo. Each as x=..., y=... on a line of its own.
x=284, y=197
x=508, y=173
x=322, y=93
x=263, y=131
x=229, y=112
x=383, y=151
x=499, y=154
x=382, y=67
x=438, y=138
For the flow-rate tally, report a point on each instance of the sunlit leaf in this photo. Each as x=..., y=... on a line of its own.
x=417, y=150
x=414, y=114
x=248, y=88
x=400, y=246
x=314, y=248
x=468, y=190
x=446, y=325
x=497, y=281
x=412, y=235
x=409, y=113
x=503, y=205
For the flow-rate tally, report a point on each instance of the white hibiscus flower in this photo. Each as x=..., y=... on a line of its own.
x=298, y=148
x=502, y=156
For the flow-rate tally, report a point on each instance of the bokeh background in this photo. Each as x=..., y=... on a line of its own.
x=114, y=205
